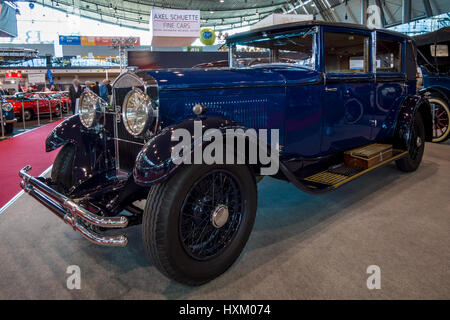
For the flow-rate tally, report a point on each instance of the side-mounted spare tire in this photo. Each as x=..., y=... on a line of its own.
x=63, y=167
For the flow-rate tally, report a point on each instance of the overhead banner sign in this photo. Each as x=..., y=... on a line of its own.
x=36, y=78
x=92, y=41
x=8, y=20
x=50, y=77
x=174, y=28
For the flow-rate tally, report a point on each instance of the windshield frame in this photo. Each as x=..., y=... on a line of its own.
x=314, y=30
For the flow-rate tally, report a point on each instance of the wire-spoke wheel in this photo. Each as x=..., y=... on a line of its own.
x=440, y=112
x=196, y=224
x=211, y=215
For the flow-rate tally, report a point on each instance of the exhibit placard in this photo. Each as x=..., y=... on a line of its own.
x=171, y=27
x=36, y=78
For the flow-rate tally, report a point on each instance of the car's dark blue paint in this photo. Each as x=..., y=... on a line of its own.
x=154, y=162
x=436, y=83
x=319, y=115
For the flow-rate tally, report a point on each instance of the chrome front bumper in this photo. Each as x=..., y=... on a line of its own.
x=72, y=213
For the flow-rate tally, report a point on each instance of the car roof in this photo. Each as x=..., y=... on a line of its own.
x=438, y=36
x=310, y=23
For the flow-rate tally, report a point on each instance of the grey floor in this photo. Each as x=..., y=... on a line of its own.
x=302, y=246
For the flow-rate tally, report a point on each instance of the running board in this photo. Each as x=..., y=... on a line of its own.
x=337, y=176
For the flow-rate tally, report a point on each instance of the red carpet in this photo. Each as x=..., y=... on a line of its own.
x=17, y=152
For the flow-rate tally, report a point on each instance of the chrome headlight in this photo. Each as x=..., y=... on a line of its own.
x=88, y=105
x=137, y=112
x=7, y=107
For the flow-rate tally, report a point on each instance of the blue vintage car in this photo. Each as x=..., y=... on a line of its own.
x=434, y=59
x=8, y=117
x=334, y=101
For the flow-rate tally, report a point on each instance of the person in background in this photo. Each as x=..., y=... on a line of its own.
x=20, y=88
x=96, y=88
x=54, y=88
x=109, y=87
x=74, y=93
x=87, y=85
x=2, y=92
x=103, y=90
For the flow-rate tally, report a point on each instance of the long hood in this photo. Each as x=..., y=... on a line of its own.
x=189, y=79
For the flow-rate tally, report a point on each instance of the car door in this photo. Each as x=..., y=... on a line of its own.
x=391, y=84
x=348, y=93
x=43, y=103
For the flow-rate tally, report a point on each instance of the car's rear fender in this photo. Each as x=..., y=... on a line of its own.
x=408, y=110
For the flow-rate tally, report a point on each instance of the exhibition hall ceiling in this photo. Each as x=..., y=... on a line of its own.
x=228, y=14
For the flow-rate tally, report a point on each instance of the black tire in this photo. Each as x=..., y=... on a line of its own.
x=62, y=168
x=162, y=221
x=416, y=147
x=29, y=114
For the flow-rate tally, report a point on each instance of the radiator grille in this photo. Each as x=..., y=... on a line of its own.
x=127, y=146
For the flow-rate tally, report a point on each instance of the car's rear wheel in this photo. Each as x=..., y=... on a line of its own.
x=28, y=114
x=196, y=224
x=62, y=168
x=441, y=118
x=416, y=146
x=57, y=112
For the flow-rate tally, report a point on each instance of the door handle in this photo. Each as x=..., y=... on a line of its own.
x=330, y=89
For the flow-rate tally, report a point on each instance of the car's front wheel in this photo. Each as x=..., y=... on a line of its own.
x=63, y=167
x=196, y=224
x=416, y=146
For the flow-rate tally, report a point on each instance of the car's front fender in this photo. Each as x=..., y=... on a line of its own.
x=155, y=164
x=94, y=152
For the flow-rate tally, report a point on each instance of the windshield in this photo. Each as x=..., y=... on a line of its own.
x=293, y=49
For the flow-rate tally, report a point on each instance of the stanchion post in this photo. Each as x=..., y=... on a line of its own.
x=37, y=106
x=50, y=107
x=1, y=118
x=60, y=108
x=23, y=116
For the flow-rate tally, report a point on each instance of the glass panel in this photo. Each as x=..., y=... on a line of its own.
x=389, y=54
x=346, y=52
x=440, y=50
x=295, y=49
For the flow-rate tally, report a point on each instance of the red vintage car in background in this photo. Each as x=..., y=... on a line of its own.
x=33, y=101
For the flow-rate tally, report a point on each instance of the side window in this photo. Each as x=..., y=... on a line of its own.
x=346, y=52
x=389, y=53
